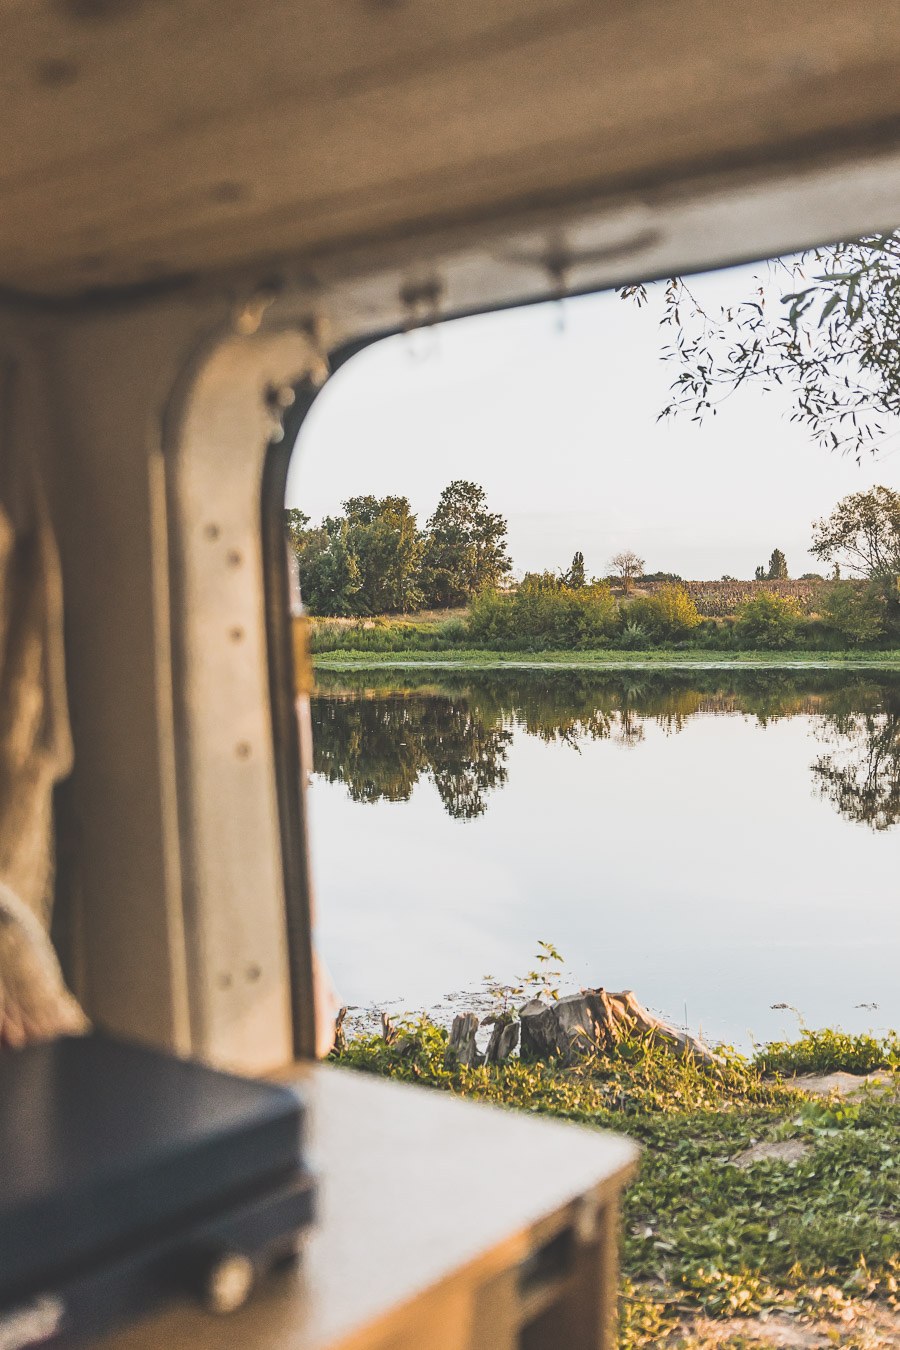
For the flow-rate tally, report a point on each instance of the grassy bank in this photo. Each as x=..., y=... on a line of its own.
x=714, y=1252
x=604, y=658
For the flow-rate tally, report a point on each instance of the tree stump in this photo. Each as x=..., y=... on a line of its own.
x=593, y=1022
x=340, y=1036
x=504, y=1039
x=539, y=1031
x=634, y=1016
x=462, y=1048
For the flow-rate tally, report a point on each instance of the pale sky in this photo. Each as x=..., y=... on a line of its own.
x=552, y=409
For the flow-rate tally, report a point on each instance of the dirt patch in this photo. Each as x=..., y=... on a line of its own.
x=860, y=1327
x=844, y=1084
x=780, y=1150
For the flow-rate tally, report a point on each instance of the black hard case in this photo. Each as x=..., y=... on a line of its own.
x=122, y=1168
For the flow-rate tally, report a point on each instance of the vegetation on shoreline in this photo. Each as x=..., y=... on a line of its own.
x=545, y=614
x=374, y=561
x=542, y=616
x=446, y=657
x=813, y=1239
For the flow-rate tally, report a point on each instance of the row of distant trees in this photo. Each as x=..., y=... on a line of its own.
x=374, y=558
x=862, y=533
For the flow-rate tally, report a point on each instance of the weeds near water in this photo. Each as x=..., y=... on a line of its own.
x=827, y=1051
x=538, y=983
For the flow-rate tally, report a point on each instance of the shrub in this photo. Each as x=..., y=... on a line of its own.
x=713, y=635
x=378, y=635
x=829, y=1051
x=669, y=615
x=546, y=610
x=453, y=630
x=768, y=621
x=854, y=611
x=634, y=637
x=490, y=615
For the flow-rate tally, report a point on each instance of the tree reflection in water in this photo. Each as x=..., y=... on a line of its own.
x=381, y=732
x=861, y=776
x=381, y=745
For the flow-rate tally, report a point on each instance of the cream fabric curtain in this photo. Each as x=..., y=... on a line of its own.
x=35, y=740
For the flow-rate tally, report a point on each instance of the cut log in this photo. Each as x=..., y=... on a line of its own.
x=462, y=1048
x=504, y=1039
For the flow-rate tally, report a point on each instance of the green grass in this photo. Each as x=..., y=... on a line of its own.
x=811, y=1238
x=830, y=1052
x=605, y=657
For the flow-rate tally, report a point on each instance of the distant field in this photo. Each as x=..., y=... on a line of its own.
x=723, y=599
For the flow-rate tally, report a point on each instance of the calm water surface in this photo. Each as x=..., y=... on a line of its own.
x=721, y=842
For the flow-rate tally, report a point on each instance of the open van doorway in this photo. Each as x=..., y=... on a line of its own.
x=607, y=695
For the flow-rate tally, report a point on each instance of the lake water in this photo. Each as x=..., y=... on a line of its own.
x=719, y=841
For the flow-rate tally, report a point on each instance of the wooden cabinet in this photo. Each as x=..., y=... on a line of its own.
x=443, y=1225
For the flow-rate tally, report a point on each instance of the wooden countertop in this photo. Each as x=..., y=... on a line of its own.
x=420, y=1193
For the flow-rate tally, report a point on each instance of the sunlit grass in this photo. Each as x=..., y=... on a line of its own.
x=447, y=657
x=700, y=1236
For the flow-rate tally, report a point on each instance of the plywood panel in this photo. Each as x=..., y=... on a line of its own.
x=181, y=138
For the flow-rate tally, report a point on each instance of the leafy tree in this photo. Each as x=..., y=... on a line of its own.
x=329, y=574
x=465, y=546
x=767, y=621
x=388, y=547
x=674, y=614
x=366, y=561
x=863, y=533
x=575, y=577
x=295, y=523
x=310, y=547
x=541, y=583
x=777, y=566
x=628, y=567
x=832, y=343
x=759, y=574
x=855, y=611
